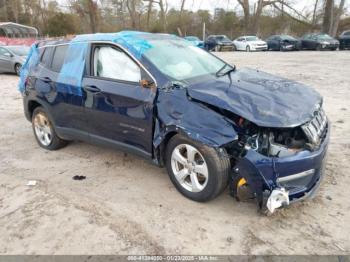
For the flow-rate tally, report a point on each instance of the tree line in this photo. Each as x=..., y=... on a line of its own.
x=261, y=17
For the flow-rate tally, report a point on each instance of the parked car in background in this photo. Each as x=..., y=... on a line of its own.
x=218, y=43
x=344, y=40
x=12, y=58
x=250, y=43
x=179, y=106
x=195, y=40
x=319, y=41
x=282, y=43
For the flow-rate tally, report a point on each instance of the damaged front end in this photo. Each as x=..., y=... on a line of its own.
x=279, y=165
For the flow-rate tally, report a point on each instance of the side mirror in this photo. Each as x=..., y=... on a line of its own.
x=8, y=54
x=145, y=83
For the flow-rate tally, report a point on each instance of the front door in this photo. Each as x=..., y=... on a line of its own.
x=118, y=109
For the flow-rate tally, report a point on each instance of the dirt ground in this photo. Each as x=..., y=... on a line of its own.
x=128, y=206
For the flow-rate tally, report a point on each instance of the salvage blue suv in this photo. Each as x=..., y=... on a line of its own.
x=179, y=106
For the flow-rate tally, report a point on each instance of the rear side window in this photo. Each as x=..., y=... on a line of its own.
x=58, y=57
x=46, y=57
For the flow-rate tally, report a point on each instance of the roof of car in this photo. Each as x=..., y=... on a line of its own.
x=127, y=36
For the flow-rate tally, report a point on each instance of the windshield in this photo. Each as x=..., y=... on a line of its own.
x=252, y=38
x=324, y=37
x=287, y=37
x=192, y=38
x=19, y=50
x=222, y=38
x=179, y=60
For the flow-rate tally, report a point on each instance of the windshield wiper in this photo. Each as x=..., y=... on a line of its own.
x=219, y=73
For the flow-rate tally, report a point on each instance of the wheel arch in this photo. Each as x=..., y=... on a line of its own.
x=32, y=105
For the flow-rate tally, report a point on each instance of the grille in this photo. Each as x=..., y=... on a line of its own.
x=315, y=129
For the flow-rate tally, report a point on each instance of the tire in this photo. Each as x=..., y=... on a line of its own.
x=247, y=48
x=44, y=131
x=234, y=48
x=218, y=169
x=318, y=48
x=18, y=69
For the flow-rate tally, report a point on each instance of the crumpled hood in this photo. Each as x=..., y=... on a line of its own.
x=261, y=98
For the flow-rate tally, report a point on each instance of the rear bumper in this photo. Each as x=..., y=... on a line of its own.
x=264, y=174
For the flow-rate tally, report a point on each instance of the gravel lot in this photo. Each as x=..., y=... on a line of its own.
x=127, y=205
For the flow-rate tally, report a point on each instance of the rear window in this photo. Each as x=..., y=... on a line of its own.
x=46, y=56
x=58, y=57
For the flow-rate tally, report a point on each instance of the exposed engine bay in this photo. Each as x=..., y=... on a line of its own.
x=281, y=142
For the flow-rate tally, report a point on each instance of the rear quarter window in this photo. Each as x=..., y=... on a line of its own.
x=46, y=56
x=58, y=57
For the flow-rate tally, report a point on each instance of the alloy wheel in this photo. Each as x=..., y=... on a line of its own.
x=42, y=129
x=189, y=168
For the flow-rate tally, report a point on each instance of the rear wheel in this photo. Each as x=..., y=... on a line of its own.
x=44, y=131
x=18, y=69
x=197, y=171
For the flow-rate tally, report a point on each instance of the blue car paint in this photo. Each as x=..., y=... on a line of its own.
x=150, y=115
x=195, y=40
x=261, y=172
x=262, y=98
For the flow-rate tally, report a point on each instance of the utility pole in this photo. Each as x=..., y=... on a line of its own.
x=203, y=31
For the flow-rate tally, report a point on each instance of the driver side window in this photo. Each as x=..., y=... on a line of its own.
x=110, y=62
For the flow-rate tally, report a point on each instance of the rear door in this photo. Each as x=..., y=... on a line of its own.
x=65, y=105
x=119, y=110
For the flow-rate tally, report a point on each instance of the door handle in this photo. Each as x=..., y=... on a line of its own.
x=92, y=89
x=46, y=79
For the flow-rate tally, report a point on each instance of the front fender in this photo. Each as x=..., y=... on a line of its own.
x=176, y=112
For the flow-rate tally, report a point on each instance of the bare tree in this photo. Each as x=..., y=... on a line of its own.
x=328, y=16
x=163, y=5
x=181, y=16
x=252, y=20
x=337, y=17
x=314, y=13
x=149, y=12
x=87, y=8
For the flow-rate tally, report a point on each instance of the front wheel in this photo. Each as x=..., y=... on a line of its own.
x=247, y=48
x=44, y=131
x=197, y=171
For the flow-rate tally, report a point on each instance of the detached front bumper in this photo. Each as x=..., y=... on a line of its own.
x=300, y=175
